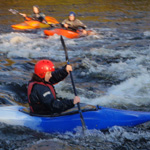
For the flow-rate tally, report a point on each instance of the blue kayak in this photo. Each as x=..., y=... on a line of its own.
x=95, y=117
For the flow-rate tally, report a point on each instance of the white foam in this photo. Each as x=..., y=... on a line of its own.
x=33, y=46
x=110, y=52
x=147, y=33
x=30, y=46
x=133, y=91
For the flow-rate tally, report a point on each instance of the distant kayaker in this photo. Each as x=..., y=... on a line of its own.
x=37, y=15
x=41, y=93
x=73, y=23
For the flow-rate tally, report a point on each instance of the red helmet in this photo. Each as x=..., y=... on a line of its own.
x=43, y=66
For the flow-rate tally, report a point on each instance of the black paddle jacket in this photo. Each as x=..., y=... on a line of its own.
x=42, y=99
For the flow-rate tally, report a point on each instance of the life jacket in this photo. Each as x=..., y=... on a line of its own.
x=30, y=86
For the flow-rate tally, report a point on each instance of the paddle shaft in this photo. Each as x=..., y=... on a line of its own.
x=73, y=84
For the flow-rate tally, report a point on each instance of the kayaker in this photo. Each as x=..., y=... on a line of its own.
x=74, y=24
x=41, y=93
x=37, y=15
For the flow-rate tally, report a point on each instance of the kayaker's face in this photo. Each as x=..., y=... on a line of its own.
x=48, y=75
x=71, y=18
x=35, y=10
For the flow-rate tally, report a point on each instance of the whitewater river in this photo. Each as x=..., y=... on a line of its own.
x=111, y=69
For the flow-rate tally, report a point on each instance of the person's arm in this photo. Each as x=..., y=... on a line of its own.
x=59, y=106
x=25, y=17
x=52, y=104
x=64, y=21
x=80, y=24
x=60, y=74
x=65, y=104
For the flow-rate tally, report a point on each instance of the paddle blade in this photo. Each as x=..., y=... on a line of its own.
x=65, y=49
x=51, y=20
x=13, y=11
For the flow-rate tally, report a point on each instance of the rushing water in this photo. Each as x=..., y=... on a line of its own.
x=111, y=69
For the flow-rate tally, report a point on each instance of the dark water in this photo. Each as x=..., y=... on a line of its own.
x=111, y=69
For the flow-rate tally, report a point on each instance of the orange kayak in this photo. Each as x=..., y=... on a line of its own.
x=32, y=24
x=59, y=31
x=67, y=33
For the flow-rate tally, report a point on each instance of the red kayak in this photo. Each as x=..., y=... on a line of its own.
x=67, y=33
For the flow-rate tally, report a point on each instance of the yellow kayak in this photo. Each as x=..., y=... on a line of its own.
x=33, y=24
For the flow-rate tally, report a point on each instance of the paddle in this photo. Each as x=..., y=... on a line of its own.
x=60, y=25
x=74, y=88
x=49, y=20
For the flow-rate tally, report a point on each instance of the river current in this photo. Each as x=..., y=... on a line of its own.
x=111, y=68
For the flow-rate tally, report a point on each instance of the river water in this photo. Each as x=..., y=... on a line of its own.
x=111, y=69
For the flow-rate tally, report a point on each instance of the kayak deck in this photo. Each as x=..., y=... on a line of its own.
x=71, y=111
